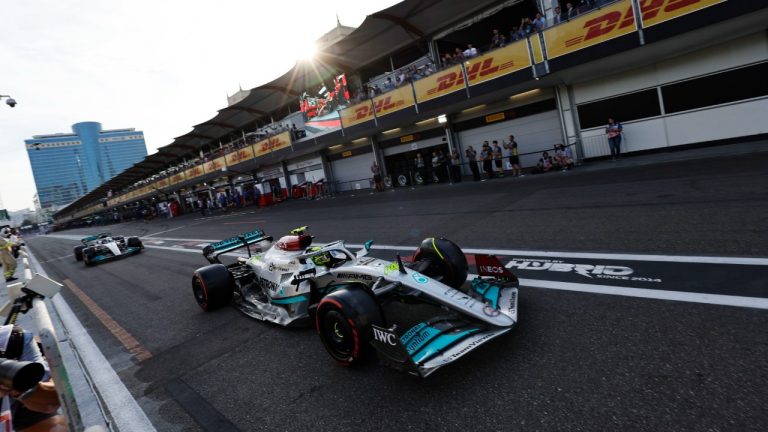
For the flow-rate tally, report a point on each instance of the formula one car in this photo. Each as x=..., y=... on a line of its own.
x=417, y=316
x=103, y=247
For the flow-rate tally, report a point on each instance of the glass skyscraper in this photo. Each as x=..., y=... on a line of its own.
x=66, y=166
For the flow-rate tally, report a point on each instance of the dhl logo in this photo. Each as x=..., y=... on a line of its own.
x=269, y=144
x=451, y=80
x=381, y=105
x=616, y=20
x=178, y=178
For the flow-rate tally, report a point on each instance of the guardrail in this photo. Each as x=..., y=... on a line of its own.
x=52, y=349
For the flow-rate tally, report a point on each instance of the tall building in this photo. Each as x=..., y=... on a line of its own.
x=66, y=166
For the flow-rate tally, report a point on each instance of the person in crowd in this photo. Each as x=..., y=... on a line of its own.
x=6, y=255
x=37, y=408
x=447, y=59
x=586, y=5
x=389, y=85
x=487, y=156
x=436, y=166
x=458, y=56
x=563, y=157
x=514, y=157
x=613, y=130
x=443, y=170
x=558, y=16
x=539, y=23
x=376, y=89
x=570, y=11
x=545, y=163
x=377, y=177
x=497, y=40
x=470, y=52
x=472, y=161
x=456, y=167
x=419, y=164
x=498, y=158
x=526, y=27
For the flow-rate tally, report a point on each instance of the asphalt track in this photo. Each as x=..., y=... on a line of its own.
x=577, y=361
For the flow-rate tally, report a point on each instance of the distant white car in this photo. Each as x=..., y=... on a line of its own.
x=104, y=247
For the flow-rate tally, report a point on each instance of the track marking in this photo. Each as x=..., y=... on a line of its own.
x=57, y=259
x=126, y=339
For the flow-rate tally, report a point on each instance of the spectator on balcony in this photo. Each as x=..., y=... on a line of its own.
x=570, y=11
x=458, y=56
x=389, y=85
x=472, y=161
x=497, y=40
x=558, y=16
x=539, y=23
x=526, y=27
x=515, y=35
x=586, y=5
x=613, y=130
x=447, y=59
x=470, y=52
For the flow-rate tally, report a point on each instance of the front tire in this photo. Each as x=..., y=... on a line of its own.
x=79, y=252
x=88, y=255
x=213, y=286
x=134, y=242
x=344, y=322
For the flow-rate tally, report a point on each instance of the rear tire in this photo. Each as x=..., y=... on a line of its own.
x=88, y=255
x=344, y=322
x=213, y=286
x=79, y=252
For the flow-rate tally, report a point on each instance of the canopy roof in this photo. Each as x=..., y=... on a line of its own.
x=380, y=35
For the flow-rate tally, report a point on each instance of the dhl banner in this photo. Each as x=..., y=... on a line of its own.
x=498, y=62
x=176, y=178
x=440, y=83
x=356, y=114
x=195, y=171
x=590, y=29
x=162, y=183
x=658, y=11
x=271, y=144
x=389, y=102
x=241, y=155
x=214, y=165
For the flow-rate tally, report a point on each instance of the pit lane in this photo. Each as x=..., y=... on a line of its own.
x=578, y=361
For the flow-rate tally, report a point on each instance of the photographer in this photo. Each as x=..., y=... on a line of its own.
x=35, y=409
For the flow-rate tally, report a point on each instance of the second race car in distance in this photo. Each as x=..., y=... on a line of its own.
x=417, y=316
x=103, y=247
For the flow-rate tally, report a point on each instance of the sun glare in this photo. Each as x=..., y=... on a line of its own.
x=306, y=51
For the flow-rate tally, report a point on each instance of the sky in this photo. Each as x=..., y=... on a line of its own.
x=160, y=66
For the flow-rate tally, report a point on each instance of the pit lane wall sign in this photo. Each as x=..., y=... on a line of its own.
x=659, y=11
x=590, y=29
x=271, y=144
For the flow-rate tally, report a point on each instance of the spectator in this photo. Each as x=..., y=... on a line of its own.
x=443, y=172
x=458, y=56
x=558, y=17
x=377, y=177
x=6, y=255
x=376, y=89
x=487, y=156
x=498, y=158
x=586, y=5
x=539, y=23
x=514, y=157
x=614, y=130
x=456, y=167
x=515, y=35
x=526, y=27
x=564, y=157
x=570, y=11
x=447, y=59
x=497, y=40
x=436, y=167
x=419, y=163
x=545, y=163
x=470, y=52
x=472, y=160
x=389, y=85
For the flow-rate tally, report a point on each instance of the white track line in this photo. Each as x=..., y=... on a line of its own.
x=553, y=254
x=690, y=297
x=122, y=407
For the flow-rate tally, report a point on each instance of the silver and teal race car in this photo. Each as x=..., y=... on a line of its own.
x=103, y=247
x=417, y=316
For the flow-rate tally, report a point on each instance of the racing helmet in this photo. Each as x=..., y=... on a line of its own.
x=444, y=258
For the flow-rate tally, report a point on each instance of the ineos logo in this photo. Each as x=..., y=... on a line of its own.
x=492, y=269
x=385, y=337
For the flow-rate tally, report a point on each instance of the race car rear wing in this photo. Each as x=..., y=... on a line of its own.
x=213, y=250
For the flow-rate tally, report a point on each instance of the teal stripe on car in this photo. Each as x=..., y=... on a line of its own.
x=290, y=300
x=440, y=343
x=411, y=333
x=421, y=338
